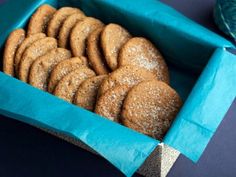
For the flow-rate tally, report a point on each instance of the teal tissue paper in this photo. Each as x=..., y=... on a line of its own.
x=190, y=50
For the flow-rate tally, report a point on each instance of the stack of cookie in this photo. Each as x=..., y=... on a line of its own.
x=99, y=67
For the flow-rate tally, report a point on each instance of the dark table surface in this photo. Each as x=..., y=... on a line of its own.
x=26, y=151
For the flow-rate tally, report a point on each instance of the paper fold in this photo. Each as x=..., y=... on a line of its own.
x=205, y=107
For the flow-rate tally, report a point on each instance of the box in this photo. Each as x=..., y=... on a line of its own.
x=201, y=71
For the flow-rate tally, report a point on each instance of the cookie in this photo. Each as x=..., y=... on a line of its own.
x=65, y=30
x=113, y=37
x=26, y=43
x=80, y=33
x=39, y=20
x=68, y=85
x=141, y=52
x=42, y=67
x=13, y=41
x=94, y=52
x=58, y=18
x=125, y=75
x=87, y=92
x=109, y=105
x=150, y=108
x=35, y=50
x=63, y=68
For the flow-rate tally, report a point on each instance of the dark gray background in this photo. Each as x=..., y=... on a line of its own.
x=27, y=151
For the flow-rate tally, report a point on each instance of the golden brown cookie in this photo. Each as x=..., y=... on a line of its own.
x=58, y=18
x=63, y=68
x=26, y=43
x=65, y=30
x=35, y=50
x=80, y=33
x=13, y=41
x=94, y=52
x=109, y=105
x=42, y=67
x=113, y=37
x=141, y=52
x=150, y=108
x=86, y=94
x=125, y=75
x=68, y=85
x=39, y=20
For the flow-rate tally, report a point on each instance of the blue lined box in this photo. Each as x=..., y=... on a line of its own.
x=201, y=70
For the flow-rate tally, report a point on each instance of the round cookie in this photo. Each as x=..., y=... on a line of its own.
x=113, y=37
x=42, y=67
x=109, y=105
x=35, y=50
x=80, y=33
x=94, y=52
x=39, y=20
x=63, y=68
x=87, y=92
x=150, y=108
x=68, y=85
x=141, y=52
x=58, y=19
x=13, y=41
x=26, y=43
x=125, y=75
x=65, y=30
